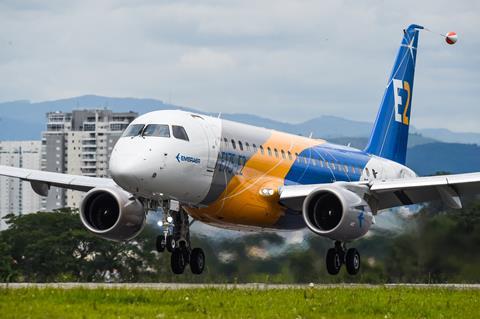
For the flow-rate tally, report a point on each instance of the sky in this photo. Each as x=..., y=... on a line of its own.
x=289, y=60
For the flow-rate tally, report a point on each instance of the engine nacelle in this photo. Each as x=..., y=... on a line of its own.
x=112, y=213
x=337, y=213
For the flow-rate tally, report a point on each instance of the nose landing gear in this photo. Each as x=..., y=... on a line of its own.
x=340, y=255
x=176, y=240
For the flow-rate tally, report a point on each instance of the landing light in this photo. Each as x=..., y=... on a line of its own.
x=160, y=223
x=169, y=219
x=267, y=192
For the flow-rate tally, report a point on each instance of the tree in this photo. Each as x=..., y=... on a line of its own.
x=442, y=248
x=6, y=263
x=55, y=246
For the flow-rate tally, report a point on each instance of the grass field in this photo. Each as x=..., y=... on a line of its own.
x=355, y=302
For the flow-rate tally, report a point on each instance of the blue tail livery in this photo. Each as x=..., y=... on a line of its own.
x=389, y=137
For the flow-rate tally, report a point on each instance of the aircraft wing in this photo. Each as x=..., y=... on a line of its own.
x=383, y=194
x=41, y=180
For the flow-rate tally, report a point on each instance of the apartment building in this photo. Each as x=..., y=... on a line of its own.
x=16, y=196
x=80, y=143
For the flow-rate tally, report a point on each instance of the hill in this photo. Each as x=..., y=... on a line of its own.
x=30, y=117
x=429, y=158
x=23, y=120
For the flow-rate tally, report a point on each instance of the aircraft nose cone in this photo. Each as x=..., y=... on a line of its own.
x=123, y=171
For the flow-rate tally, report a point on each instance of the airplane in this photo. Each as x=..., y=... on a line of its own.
x=237, y=176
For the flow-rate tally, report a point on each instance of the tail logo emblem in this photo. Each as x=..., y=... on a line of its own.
x=401, y=117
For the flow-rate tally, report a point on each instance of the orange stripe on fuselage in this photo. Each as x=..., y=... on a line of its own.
x=241, y=202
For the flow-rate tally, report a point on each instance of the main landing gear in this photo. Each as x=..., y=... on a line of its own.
x=176, y=240
x=340, y=255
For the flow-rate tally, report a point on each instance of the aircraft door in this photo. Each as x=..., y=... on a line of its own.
x=213, y=143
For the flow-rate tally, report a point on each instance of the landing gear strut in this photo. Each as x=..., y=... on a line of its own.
x=340, y=255
x=176, y=240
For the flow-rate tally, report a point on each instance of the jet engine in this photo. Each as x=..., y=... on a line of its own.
x=112, y=213
x=337, y=213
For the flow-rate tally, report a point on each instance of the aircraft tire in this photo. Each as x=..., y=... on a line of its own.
x=177, y=262
x=171, y=245
x=197, y=261
x=334, y=262
x=352, y=261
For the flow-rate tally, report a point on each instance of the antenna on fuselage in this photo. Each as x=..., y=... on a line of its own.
x=219, y=115
x=311, y=134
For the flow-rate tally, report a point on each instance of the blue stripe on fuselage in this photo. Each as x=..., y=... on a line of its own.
x=327, y=163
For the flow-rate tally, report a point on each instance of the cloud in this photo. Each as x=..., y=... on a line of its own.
x=205, y=59
x=286, y=59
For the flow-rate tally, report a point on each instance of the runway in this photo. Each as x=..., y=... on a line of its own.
x=254, y=286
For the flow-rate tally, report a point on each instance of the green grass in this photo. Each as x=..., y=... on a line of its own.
x=355, y=302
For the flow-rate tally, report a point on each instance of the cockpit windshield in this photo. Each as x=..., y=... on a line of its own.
x=133, y=130
x=160, y=130
x=179, y=132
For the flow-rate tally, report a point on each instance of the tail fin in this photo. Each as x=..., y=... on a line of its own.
x=390, y=132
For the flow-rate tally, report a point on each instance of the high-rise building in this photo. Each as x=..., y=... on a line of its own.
x=17, y=196
x=79, y=143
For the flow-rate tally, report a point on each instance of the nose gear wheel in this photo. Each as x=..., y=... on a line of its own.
x=176, y=240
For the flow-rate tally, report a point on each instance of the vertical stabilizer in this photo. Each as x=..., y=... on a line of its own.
x=390, y=132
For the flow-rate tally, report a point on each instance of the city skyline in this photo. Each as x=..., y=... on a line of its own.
x=78, y=143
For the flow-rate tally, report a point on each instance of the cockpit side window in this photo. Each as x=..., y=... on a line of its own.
x=133, y=130
x=179, y=132
x=159, y=130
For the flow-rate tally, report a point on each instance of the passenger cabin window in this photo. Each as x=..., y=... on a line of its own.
x=305, y=160
x=226, y=142
x=283, y=155
x=240, y=145
x=234, y=145
x=261, y=150
x=289, y=155
x=133, y=130
x=179, y=132
x=247, y=146
x=269, y=151
x=157, y=130
x=276, y=153
x=254, y=148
